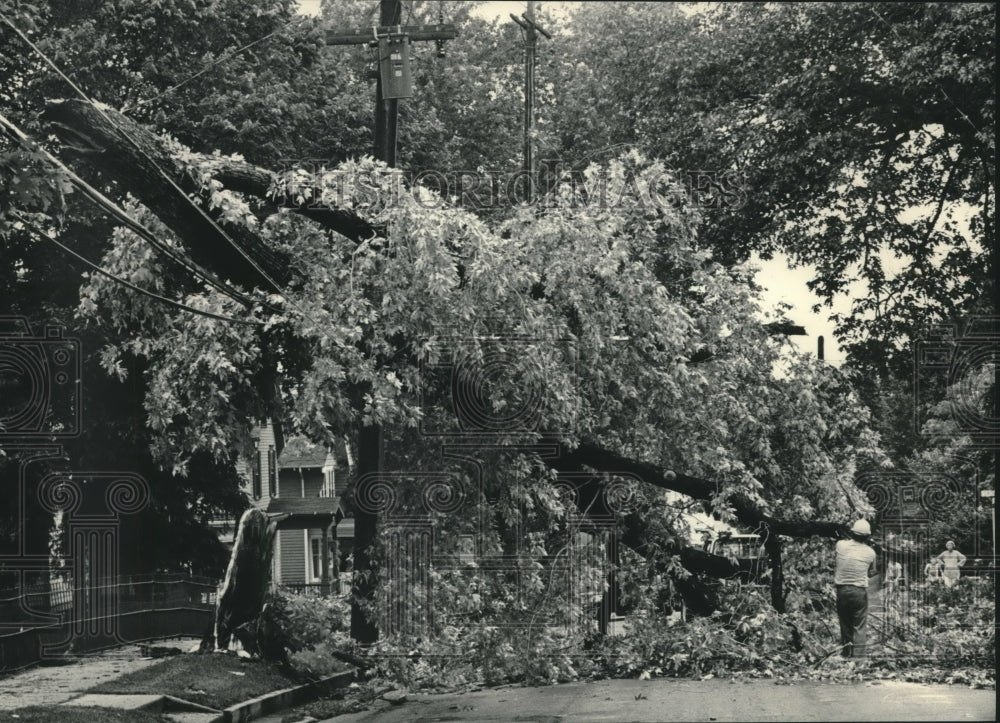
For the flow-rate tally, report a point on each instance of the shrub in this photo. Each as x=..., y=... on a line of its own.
x=313, y=627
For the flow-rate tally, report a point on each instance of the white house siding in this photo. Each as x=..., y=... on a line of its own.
x=268, y=457
x=265, y=443
x=293, y=557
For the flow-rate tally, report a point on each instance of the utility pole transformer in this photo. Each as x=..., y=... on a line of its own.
x=394, y=80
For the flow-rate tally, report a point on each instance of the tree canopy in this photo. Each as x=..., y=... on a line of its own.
x=614, y=321
x=863, y=136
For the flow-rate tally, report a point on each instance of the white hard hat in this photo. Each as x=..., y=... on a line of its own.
x=861, y=527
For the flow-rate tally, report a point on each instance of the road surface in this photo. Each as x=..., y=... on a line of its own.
x=687, y=700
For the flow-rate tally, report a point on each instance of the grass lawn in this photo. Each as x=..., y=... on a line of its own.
x=215, y=679
x=73, y=714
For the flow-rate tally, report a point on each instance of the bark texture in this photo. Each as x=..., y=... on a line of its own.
x=248, y=576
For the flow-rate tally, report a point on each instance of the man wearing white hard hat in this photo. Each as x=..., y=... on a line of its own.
x=855, y=564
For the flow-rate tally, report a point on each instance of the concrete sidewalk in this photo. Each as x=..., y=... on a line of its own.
x=54, y=684
x=685, y=700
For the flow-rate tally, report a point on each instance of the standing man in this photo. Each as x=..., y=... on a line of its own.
x=951, y=559
x=706, y=540
x=855, y=564
x=893, y=577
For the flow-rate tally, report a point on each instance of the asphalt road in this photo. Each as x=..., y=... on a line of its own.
x=621, y=701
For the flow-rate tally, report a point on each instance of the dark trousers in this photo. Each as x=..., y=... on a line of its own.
x=852, y=609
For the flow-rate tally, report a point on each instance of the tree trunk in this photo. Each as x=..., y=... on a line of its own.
x=248, y=576
x=747, y=512
x=138, y=161
x=772, y=543
x=365, y=527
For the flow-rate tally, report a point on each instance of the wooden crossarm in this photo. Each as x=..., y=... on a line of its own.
x=446, y=31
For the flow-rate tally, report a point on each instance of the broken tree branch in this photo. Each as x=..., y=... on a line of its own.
x=140, y=163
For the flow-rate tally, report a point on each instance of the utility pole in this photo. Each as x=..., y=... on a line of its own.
x=531, y=30
x=393, y=80
x=392, y=83
x=387, y=109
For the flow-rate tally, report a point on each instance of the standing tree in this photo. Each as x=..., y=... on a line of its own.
x=863, y=135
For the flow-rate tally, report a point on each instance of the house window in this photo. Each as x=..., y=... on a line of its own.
x=316, y=559
x=272, y=472
x=327, y=489
x=255, y=476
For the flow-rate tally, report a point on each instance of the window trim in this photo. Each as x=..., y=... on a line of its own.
x=272, y=472
x=314, y=560
x=255, y=476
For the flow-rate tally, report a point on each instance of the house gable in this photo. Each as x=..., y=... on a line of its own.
x=299, y=487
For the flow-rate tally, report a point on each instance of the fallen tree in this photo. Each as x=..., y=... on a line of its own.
x=110, y=147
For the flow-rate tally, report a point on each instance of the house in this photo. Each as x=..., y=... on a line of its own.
x=300, y=485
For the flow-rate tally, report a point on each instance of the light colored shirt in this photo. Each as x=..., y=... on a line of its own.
x=895, y=571
x=952, y=559
x=855, y=560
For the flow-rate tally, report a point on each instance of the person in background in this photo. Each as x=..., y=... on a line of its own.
x=855, y=564
x=706, y=540
x=893, y=577
x=932, y=571
x=951, y=560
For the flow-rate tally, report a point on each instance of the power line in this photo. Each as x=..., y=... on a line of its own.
x=170, y=181
x=109, y=207
x=263, y=274
x=217, y=61
x=38, y=51
x=34, y=228
x=42, y=55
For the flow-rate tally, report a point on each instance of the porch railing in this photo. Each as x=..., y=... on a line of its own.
x=334, y=587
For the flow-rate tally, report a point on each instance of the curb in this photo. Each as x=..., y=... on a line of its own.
x=279, y=699
x=167, y=705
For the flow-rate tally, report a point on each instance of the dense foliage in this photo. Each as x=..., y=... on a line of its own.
x=863, y=136
x=618, y=311
x=925, y=632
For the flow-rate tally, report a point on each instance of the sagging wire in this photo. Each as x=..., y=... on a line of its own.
x=41, y=233
x=170, y=181
x=109, y=207
x=214, y=63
